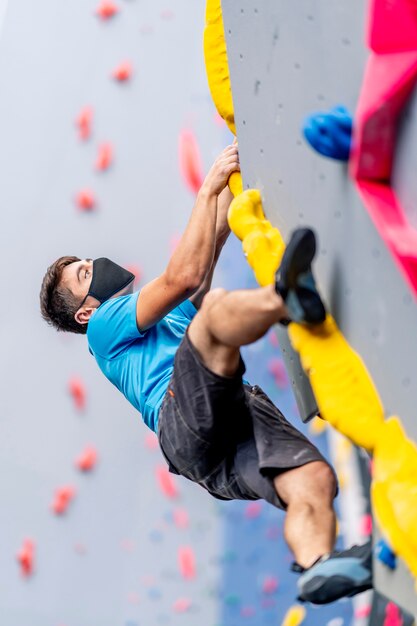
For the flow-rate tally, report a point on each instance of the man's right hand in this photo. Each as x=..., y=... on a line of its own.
x=226, y=163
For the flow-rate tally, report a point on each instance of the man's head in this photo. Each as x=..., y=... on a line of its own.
x=73, y=288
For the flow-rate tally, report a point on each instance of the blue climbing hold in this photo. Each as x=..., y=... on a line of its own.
x=385, y=554
x=330, y=133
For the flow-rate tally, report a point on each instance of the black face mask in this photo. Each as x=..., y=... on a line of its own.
x=108, y=279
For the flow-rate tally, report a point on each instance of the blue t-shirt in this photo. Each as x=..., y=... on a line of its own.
x=138, y=364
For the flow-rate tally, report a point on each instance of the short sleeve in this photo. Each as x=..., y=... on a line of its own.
x=112, y=328
x=188, y=309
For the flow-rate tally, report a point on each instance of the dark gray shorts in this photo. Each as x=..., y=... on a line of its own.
x=224, y=435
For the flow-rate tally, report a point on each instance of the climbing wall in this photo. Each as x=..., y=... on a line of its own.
x=286, y=61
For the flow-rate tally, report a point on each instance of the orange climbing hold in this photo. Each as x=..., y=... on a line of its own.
x=87, y=459
x=78, y=392
x=26, y=557
x=166, y=482
x=123, y=72
x=190, y=161
x=85, y=200
x=186, y=563
x=63, y=498
x=84, y=123
x=107, y=9
x=104, y=157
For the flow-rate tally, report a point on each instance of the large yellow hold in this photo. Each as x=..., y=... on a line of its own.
x=394, y=490
x=262, y=244
x=217, y=68
x=345, y=393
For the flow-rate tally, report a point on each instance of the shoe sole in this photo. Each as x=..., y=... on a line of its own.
x=325, y=590
x=297, y=258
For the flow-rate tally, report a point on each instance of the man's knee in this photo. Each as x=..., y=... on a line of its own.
x=212, y=296
x=308, y=483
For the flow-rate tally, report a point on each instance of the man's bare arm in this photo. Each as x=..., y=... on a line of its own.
x=222, y=233
x=192, y=261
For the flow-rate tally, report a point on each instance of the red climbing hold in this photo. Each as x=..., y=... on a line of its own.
x=62, y=499
x=253, y=509
x=393, y=615
x=186, y=563
x=270, y=585
x=85, y=200
x=190, y=161
x=166, y=482
x=277, y=368
x=78, y=392
x=123, y=72
x=107, y=9
x=26, y=557
x=104, y=157
x=84, y=122
x=392, y=26
x=87, y=459
x=181, y=519
x=182, y=605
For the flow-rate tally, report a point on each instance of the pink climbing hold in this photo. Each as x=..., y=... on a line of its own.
x=363, y=611
x=186, y=563
x=85, y=200
x=63, y=498
x=392, y=26
x=392, y=615
x=366, y=525
x=273, y=339
x=26, y=558
x=253, y=510
x=104, y=157
x=248, y=611
x=151, y=441
x=182, y=605
x=181, y=519
x=166, y=482
x=87, y=459
x=84, y=123
x=107, y=9
x=78, y=392
x=123, y=72
x=277, y=368
x=270, y=585
x=190, y=161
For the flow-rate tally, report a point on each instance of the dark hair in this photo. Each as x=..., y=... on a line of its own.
x=58, y=303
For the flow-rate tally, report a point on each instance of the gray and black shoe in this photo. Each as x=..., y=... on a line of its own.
x=295, y=281
x=338, y=575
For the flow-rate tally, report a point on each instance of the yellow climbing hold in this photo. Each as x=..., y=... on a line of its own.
x=345, y=393
x=394, y=490
x=294, y=616
x=217, y=66
x=235, y=183
x=317, y=426
x=261, y=242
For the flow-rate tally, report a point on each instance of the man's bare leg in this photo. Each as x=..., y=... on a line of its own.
x=226, y=321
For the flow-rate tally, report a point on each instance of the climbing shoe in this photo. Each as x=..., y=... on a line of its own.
x=337, y=575
x=295, y=281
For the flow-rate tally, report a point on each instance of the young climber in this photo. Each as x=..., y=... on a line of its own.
x=173, y=350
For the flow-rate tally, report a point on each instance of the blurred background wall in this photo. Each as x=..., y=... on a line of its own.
x=131, y=549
